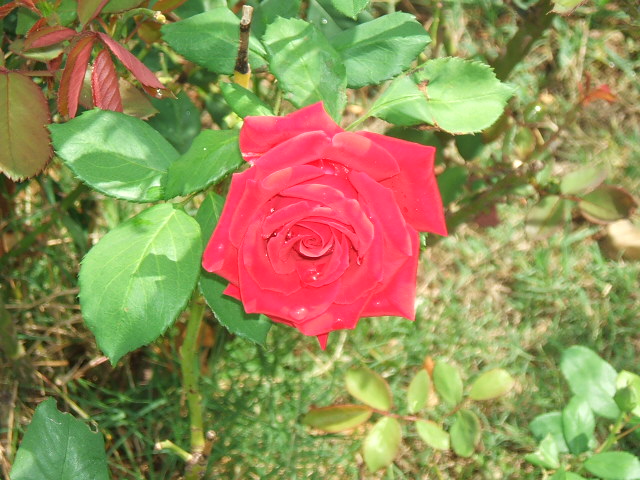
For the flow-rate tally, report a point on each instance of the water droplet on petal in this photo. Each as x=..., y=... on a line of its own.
x=338, y=324
x=299, y=313
x=272, y=210
x=324, y=21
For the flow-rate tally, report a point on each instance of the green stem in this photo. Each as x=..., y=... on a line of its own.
x=612, y=438
x=26, y=242
x=537, y=19
x=172, y=447
x=189, y=359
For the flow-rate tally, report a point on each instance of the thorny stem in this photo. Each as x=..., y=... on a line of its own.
x=242, y=70
x=190, y=377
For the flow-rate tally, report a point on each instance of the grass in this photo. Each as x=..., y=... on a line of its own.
x=489, y=297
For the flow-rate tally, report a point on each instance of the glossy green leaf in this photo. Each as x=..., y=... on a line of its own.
x=369, y=387
x=614, y=466
x=337, y=418
x=546, y=456
x=631, y=380
x=228, y=311
x=381, y=49
x=465, y=433
x=213, y=155
x=350, y=8
x=607, y=204
x=456, y=95
x=591, y=377
x=451, y=183
x=492, y=384
x=549, y=424
x=381, y=444
x=267, y=11
x=135, y=282
x=448, y=383
x=548, y=214
x=578, y=425
x=626, y=398
x=178, y=120
x=243, y=102
x=57, y=446
x=116, y=154
x=211, y=40
x=418, y=391
x=583, y=180
x=307, y=67
x=23, y=134
x=433, y=435
x=564, y=475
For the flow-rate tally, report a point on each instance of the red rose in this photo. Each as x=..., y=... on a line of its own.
x=323, y=228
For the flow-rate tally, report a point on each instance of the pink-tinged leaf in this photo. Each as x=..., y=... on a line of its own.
x=166, y=6
x=47, y=36
x=89, y=9
x=104, y=83
x=73, y=76
x=7, y=9
x=24, y=137
x=135, y=66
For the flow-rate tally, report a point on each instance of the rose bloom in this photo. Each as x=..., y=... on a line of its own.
x=322, y=229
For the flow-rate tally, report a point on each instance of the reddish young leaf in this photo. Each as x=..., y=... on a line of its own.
x=47, y=36
x=73, y=75
x=7, y=9
x=166, y=6
x=23, y=130
x=145, y=76
x=104, y=83
x=89, y=9
x=40, y=23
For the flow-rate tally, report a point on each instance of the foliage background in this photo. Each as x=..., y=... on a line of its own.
x=489, y=296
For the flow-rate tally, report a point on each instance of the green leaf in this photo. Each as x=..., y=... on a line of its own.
x=57, y=446
x=546, y=456
x=591, y=377
x=418, y=391
x=178, y=120
x=243, y=102
x=116, y=154
x=549, y=424
x=578, y=425
x=565, y=7
x=211, y=40
x=492, y=384
x=381, y=444
x=456, y=95
x=23, y=134
x=432, y=434
x=120, y=5
x=607, y=204
x=350, y=8
x=369, y=387
x=228, y=311
x=337, y=418
x=583, y=180
x=381, y=49
x=135, y=282
x=547, y=215
x=614, y=466
x=267, y=11
x=306, y=65
x=465, y=433
x=563, y=475
x=448, y=383
x=213, y=155
x=630, y=380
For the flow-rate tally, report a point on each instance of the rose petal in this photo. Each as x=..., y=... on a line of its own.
x=261, y=134
x=322, y=340
x=338, y=317
x=358, y=152
x=415, y=188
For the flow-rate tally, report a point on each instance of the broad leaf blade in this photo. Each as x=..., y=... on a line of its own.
x=369, y=387
x=306, y=65
x=418, y=391
x=89, y=9
x=57, y=446
x=350, y=8
x=48, y=36
x=583, y=180
x=465, y=433
x=589, y=376
x=549, y=424
x=607, y=204
x=135, y=282
x=433, y=435
x=578, y=425
x=337, y=418
x=546, y=455
x=492, y=384
x=23, y=133
x=614, y=466
x=116, y=154
x=73, y=76
x=381, y=444
x=548, y=214
x=178, y=120
x=211, y=40
x=381, y=49
x=448, y=383
x=228, y=311
x=105, y=88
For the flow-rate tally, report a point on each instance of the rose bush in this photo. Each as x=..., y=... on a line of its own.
x=322, y=229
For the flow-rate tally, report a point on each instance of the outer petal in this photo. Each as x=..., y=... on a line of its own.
x=360, y=153
x=415, y=188
x=261, y=134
